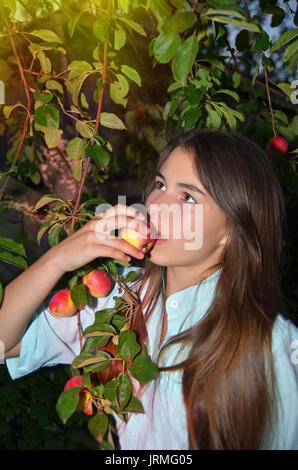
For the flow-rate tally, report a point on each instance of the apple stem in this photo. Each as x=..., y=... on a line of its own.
x=269, y=100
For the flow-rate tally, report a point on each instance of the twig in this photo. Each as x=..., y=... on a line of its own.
x=21, y=70
x=79, y=329
x=269, y=100
x=100, y=98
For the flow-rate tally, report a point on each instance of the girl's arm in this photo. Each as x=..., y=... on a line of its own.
x=23, y=296
x=26, y=293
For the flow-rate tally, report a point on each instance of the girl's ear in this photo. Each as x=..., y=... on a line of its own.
x=224, y=239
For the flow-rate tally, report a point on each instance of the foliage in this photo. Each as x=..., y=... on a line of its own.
x=93, y=69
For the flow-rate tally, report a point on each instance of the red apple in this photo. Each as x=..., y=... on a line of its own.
x=143, y=242
x=61, y=304
x=98, y=283
x=73, y=381
x=277, y=146
x=85, y=402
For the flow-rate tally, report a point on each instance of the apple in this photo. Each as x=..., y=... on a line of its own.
x=98, y=283
x=61, y=304
x=85, y=402
x=143, y=242
x=277, y=146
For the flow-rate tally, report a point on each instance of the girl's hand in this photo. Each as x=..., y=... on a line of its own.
x=94, y=239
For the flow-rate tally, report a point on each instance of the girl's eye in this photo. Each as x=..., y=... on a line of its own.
x=159, y=184
x=189, y=196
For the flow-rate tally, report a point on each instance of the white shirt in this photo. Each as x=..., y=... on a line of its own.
x=49, y=341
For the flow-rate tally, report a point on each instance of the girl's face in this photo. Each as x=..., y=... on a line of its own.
x=185, y=215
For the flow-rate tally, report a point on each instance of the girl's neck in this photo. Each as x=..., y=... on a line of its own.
x=181, y=277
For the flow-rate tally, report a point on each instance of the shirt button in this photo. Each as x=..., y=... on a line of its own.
x=174, y=303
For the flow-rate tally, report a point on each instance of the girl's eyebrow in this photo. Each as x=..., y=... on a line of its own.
x=188, y=186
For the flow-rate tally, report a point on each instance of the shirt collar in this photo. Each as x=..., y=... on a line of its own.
x=189, y=305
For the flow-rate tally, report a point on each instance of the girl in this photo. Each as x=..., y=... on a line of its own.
x=213, y=309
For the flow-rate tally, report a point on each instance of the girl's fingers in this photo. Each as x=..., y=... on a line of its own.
x=103, y=227
x=109, y=252
x=121, y=209
x=116, y=243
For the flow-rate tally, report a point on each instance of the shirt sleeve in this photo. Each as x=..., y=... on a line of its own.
x=48, y=340
x=284, y=433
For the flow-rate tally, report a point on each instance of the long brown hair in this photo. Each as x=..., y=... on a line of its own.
x=228, y=377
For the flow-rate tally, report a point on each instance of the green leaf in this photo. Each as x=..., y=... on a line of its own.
x=119, y=321
x=134, y=406
x=52, y=137
x=106, y=445
x=12, y=259
x=124, y=390
x=47, y=116
x=77, y=85
x=44, y=97
x=46, y=199
x=12, y=246
x=261, y=42
x=184, y=58
x=79, y=296
x=213, y=118
x=124, y=85
x=77, y=170
x=137, y=27
x=127, y=345
x=191, y=116
x=228, y=12
x=45, y=62
x=131, y=73
x=101, y=29
x=116, y=94
x=119, y=38
x=85, y=359
x=242, y=40
x=112, y=121
x=110, y=391
x=236, y=79
x=238, y=23
x=178, y=23
x=284, y=39
x=77, y=67
x=72, y=24
x=98, y=154
x=54, y=85
x=286, y=88
x=76, y=148
x=131, y=276
x=143, y=369
x=231, y=93
x=164, y=48
x=100, y=329
x=53, y=236
x=67, y=403
x=255, y=75
x=290, y=50
x=46, y=35
x=86, y=129
x=98, y=425
x=92, y=343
